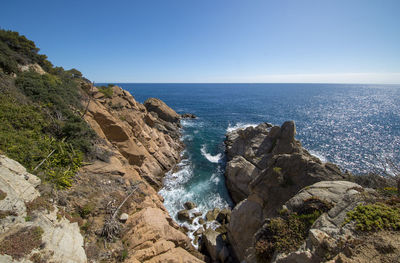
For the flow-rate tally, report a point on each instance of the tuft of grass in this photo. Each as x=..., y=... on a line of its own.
x=287, y=232
x=374, y=217
x=22, y=242
x=107, y=91
x=388, y=191
x=277, y=169
x=38, y=204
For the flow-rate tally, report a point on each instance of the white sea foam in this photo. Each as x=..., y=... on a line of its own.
x=318, y=155
x=212, y=158
x=239, y=125
x=191, y=123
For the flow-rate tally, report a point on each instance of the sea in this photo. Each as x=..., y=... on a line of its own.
x=354, y=126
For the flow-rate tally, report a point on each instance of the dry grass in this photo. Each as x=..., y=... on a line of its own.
x=38, y=204
x=22, y=242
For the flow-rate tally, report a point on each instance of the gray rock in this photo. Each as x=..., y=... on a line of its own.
x=189, y=205
x=266, y=167
x=212, y=214
x=62, y=241
x=184, y=215
x=124, y=217
x=213, y=243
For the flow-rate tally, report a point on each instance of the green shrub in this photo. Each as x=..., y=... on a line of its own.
x=373, y=217
x=22, y=138
x=107, y=91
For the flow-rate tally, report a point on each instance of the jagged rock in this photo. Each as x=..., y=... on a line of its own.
x=197, y=214
x=189, y=205
x=152, y=238
x=213, y=243
x=224, y=216
x=188, y=116
x=184, y=215
x=199, y=231
x=124, y=217
x=328, y=233
x=62, y=241
x=266, y=167
x=162, y=110
x=212, y=214
x=239, y=174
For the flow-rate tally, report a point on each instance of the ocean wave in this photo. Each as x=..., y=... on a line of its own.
x=209, y=157
x=239, y=125
x=186, y=123
x=318, y=155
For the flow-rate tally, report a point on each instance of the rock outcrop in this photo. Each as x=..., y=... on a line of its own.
x=139, y=144
x=23, y=214
x=266, y=167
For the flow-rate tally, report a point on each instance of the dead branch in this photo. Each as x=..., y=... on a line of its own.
x=48, y=156
x=112, y=227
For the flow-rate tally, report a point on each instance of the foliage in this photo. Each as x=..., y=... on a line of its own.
x=107, y=91
x=61, y=98
x=38, y=204
x=388, y=191
x=40, y=115
x=16, y=49
x=373, y=217
x=277, y=169
x=22, y=242
x=23, y=139
x=287, y=232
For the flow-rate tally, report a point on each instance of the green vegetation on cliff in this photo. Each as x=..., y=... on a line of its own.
x=41, y=113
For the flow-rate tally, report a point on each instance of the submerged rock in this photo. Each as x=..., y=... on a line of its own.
x=188, y=116
x=189, y=205
x=184, y=215
x=212, y=214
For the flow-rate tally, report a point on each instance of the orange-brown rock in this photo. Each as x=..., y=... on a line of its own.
x=135, y=149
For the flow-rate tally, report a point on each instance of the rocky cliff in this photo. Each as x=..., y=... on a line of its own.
x=266, y=167
x=293, y=208
x=112, y=212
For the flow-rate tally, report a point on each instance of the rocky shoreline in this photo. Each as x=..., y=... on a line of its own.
x=290, y=206
x=137, y=145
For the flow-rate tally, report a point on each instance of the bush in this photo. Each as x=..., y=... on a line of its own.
x=22, y=138
x=107, y=91
x=373, y=217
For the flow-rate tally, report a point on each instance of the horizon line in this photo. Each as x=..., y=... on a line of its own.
x=316, y=83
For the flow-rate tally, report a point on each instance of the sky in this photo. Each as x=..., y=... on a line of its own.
x=328, y=41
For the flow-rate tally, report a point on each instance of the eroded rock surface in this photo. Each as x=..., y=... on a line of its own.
x=266, y=167
x=60, y=240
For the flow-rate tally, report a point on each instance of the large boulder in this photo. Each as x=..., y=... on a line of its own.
x=162, y=110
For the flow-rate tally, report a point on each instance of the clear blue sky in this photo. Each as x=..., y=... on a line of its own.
x=215, y=40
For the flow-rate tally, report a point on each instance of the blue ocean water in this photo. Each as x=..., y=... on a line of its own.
x=350, y=125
